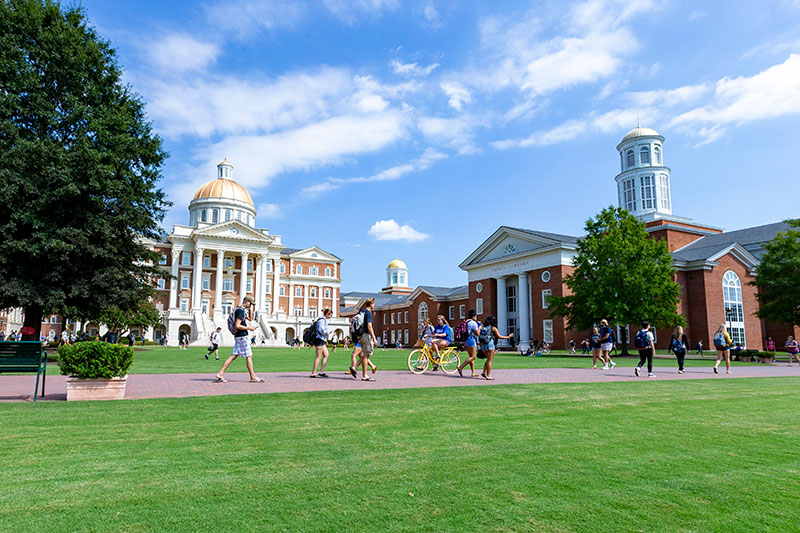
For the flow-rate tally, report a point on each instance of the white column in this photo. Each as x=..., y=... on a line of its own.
x=290, y=310
x=218, y=282
x=243, y=279
x=305, y=300
x=276, y=284
x=319, y=299
x=198, y=278
x=258, y=283
x=174, y=282
x=502, y=321
x=524, y=308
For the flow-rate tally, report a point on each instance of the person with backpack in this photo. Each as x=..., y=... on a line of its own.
x=354, y=325
x=722, y=343
x=677, y=345
x=237, y=324
x=606, y=345
x=645, y=343
x=318, y=338
x=470, y=341
x=487, y=336
x=441, y=335
x=792, y=349
x=367, y=339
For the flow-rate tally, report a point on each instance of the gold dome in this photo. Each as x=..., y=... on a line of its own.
x=397, y=264
x=223, y=188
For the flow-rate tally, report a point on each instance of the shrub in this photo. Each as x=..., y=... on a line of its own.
x=93, y=360
x=747, y=353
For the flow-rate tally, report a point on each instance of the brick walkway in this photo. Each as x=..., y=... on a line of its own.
x=20, y=388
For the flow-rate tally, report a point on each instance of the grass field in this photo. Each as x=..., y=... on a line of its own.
x=167, y=360
x=656, y=456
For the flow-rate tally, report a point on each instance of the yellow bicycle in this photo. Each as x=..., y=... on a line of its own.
x=420, y=359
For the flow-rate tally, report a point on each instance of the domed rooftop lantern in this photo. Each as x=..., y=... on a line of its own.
x=221, y=200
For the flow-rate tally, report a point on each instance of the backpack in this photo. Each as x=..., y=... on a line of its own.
x=677, y=347
x=232, y=321
x=485, y=334
x=641, y=341
x=310, y=333
x=358, y=325
x=449, y=332
x=719, y=341
x=460, y=334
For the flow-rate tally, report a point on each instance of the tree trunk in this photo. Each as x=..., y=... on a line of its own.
x=33, y=319
x=624, y=334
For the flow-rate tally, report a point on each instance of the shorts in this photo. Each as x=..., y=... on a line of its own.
x=213, y=348
x=366, y=344
x=318, y=342
x=607, y=346
x=470, y=342
x=487, y=347
x=241, y=346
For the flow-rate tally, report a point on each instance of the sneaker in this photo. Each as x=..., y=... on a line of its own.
x=605, y=367
x=680, y=371
x=636, y=371
x=613, y=364
x=206, y=356
x=650, y=375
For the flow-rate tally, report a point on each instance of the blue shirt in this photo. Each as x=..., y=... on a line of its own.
x=438, y=330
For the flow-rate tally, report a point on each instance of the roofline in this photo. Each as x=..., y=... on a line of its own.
x=464, y=265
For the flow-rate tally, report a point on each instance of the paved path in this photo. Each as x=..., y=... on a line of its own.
x=20, y=388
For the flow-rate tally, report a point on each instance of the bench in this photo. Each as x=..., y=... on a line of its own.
x=24, y=356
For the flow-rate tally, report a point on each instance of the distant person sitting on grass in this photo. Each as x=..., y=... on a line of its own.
x=241, y=348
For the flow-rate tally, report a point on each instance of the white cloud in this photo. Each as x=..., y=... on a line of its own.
x=563, y=132
x=669, y=97
x=412, y=69
x=269, y=211
x=350, y=11
x=771, y=93
x=179, y=53
x=243, y=17
x=457, y=94
x=456, y=133
x=390, y=230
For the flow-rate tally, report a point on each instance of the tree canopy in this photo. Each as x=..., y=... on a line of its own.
x=778, y=278
x=621, y=274
x=79, y=165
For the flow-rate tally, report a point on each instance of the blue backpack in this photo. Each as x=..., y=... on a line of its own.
x=485, y=334
x=641, y=341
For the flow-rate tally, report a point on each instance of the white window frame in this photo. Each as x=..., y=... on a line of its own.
x=312, y=312
x=479, y=306
x=462, y=311
x=186, y=258
x=282, y=290
x=630, y=158
x=732, y=299
x=249, y=284
x=206, y=261
x=511, y=298
x=384, y=318
x=327, y=272
x=163, y=260
x=546, y=293
x=422, y=312
x=227, y=215
x=298, y=290
x=629, y=195
x=405, y=317
x=663, y=186
x=184, y=304
x=405, y=337
x=227, y=283
x=283, y=268
x=326, y=293
x=298, y=311
x=268, y=286
x=161, y=283
x=185, y=281
x=644, y=154
x=648, y=188
x=206, y=282
x=268, y=265
x=547, y=330
x=451, y=312
x=228, y=262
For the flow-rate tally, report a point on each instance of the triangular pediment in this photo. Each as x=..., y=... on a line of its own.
x=233, y=229
x=510, y=243
x=314, y=254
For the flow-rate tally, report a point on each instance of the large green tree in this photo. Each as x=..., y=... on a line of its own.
x=621, y=274
x=778, y=278
x=79, y=166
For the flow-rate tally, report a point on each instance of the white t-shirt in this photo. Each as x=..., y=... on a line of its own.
x=215, y=338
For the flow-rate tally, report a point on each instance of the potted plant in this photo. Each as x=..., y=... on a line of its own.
x=95, y=370
x=747, y=355
x=766, y=357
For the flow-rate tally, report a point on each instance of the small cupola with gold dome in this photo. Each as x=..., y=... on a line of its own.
x=396, y=278
x=221, y=200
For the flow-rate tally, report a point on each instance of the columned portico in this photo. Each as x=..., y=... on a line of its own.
x=502, y=306
x=218, y=283
x=173, y=283
x=198, y=282
x=243, y=279
x=261, y=296
x=523, y=322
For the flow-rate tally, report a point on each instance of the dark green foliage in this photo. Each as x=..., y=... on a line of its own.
x=778, y=278
x=79, y=166
x=621, y=274
x=93, y=360
x=119, y=320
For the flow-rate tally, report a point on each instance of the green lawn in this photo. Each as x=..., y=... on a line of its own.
x=659, y=456
x=167, y=360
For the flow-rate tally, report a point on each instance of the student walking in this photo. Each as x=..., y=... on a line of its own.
x=487, y=336
x=367, y=340
x=594, y=346
x=770, y=345
x=241, y=346
x=678, y=345
x=606, y=344
x=792, y=349
x=215, y=342
x=722, y=342
x=471, y=344
x=356, y=352
x=320, y=343
x=699, y=347
x=572, y=347
x=645, y=343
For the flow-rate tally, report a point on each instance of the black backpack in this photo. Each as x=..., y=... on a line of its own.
x=310, y=333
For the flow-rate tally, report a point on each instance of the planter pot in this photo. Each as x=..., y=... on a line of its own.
x=96, y=389
x=745, y=358
x=766, y=360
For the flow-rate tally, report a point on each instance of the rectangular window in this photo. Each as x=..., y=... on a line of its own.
x=163, y=260
x=184, y=281
x=327, y=293
x=298, y=311
x=392, y=318
x=283, y=268
x=184, y=304
x=249, y=284
x=206, y=261
x=281, y=291
x=629, y=195
x=228, y=263
x=268, y=286
x=545, y=295
x=663, y=185
x=227, y=284
x=393, y=337
x=405, y=336
x=250, y=265
x=268, y=265
x=206, y=282
x=227, y=308
x=648, y=192
x=479, y=306
x=462, y=311
x=298, y=291
x=312, y=312
x=405, y=317
x=384, y=319
x=53, y=319
x=161, y=283
x=511, y=299
x=186, y=258
x=314, y=271
x=547, y=333
x=204, y=307
x=268, y=307
x=451, y=312
x=298, y=269
x=328, y=272
x=619, y=335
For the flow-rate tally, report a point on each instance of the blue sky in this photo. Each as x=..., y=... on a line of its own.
x=380, y=128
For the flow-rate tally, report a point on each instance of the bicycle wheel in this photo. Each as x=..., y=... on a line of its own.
x=417, y=362
x=450, y=361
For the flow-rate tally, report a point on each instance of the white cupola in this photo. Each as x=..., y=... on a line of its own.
x=396, y=278
x=643, y=182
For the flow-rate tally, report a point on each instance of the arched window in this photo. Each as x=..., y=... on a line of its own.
x=734, y=312
x=394, y=278
x=402, y=278
x=248, y=219
x=327, y=293
x=239, y=216
x=629, y=156
x=644, y=155
x=203, y=215
x=657, y=154
x=215, y=216
x=227, y=215
x=312, y=292
x=422, y=312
